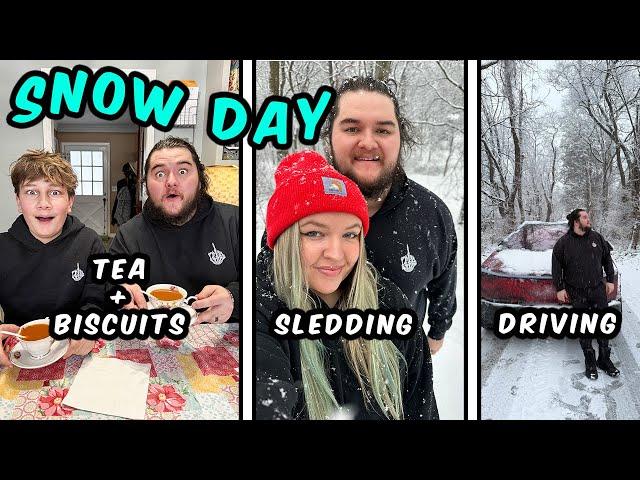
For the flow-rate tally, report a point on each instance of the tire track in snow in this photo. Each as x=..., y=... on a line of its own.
x=544, y=379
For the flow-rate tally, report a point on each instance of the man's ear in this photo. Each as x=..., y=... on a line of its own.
x=18, y=203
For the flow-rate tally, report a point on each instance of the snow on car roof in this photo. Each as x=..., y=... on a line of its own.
x=531, y=222
x=534, y=235
x=525, y=262
x=536, y=222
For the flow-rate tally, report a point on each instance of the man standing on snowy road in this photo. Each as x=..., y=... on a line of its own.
x=578, y=259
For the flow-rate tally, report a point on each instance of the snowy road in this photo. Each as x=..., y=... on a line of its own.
x=544, y=379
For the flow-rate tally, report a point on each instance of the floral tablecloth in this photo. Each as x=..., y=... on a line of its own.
x=197, y=379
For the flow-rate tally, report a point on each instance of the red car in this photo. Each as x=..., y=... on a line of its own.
x=518, y=272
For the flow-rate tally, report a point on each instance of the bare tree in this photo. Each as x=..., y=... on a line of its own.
x=488, y=64
x=382, y=70
x=503, y=109
x=274, y=78
x=548, y=197
x=608, y=91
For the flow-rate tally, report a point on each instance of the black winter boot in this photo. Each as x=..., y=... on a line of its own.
x=605, y=363
x=591, y=372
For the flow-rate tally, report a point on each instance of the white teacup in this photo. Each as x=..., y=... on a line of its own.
x=160, y=303
x=37, y=348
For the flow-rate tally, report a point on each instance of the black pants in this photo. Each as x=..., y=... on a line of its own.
x=589, y=298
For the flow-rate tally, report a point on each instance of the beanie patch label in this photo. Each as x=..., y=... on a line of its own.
x=334, y=186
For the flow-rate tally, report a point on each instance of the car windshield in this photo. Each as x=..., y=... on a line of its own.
x=535, y=237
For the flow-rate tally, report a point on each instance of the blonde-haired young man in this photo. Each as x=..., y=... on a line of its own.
x=45, y=270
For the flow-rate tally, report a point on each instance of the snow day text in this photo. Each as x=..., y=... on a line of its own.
x=557, y=323
x=349, y=324
x=108, y=92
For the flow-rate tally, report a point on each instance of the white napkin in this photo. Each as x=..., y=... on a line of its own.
x=110, y=386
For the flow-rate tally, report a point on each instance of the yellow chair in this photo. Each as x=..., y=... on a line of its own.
x=224, y=183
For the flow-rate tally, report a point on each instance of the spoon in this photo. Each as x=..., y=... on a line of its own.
x=12, y=334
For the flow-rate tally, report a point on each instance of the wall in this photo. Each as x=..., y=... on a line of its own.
x=13, y=142
x=217, y=81
x=212, y=152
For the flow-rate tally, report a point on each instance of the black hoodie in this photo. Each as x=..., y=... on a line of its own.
x=278, y=389
x=39, y=280
x=411, y=241
x=203, y=251
x=414, y=223
x=578, y=260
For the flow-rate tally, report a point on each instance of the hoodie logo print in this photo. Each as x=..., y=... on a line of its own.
x=408, y=261
x=216, y=256
x=77, y=274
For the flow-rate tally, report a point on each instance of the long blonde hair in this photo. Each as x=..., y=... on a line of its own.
x=376, y=363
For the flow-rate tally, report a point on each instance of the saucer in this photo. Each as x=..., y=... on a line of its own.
x=24, y=360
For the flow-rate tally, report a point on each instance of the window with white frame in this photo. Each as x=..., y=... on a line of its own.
x=88, y=166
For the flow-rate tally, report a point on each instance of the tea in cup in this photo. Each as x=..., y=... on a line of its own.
x=37, y=341
x=165, y=295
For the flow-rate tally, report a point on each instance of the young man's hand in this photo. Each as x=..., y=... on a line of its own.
x=5, y=327
x=137, y=298
x=563, y=296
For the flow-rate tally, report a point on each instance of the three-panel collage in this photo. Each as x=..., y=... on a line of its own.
x=277, y=239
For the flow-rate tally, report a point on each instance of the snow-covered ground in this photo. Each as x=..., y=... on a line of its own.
x=544, y=379
x=448, y=363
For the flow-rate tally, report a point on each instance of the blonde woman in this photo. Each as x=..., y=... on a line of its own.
x=316, y=223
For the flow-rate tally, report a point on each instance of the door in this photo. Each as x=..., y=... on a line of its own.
x=90, y=162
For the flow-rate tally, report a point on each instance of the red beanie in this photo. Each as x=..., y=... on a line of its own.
x=307, y=184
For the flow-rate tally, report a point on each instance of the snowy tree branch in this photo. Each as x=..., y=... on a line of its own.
x=488, y=64
x=452, y=82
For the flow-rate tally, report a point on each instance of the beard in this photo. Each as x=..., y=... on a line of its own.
x=158, y=214
x=376, y=188
x=585, y=229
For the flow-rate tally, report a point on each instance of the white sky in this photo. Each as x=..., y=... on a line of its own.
x=551, y=96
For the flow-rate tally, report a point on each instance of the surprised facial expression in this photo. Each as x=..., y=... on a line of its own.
x=45, y=207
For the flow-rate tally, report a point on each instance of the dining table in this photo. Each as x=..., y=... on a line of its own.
x=196, y=378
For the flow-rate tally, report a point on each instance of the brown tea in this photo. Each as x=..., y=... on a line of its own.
x=166, y=294
x=34, y=332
